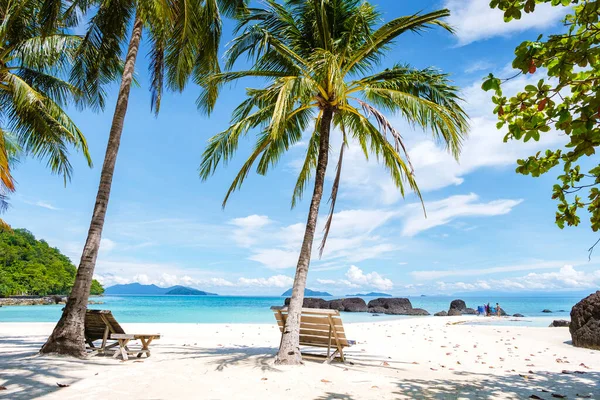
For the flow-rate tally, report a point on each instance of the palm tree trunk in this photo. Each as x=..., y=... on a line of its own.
x=68, y=335
x=289, y=349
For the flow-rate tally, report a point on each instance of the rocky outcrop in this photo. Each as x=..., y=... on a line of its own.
x=354, y=304
x=453, y=312
x=559, y=323
x=470, y=311
x=395, y=306
x=441, y=314
x=459, y=305
x=418, y=311
x=546, y=311
x=311, y=302
x=518, y=315
x=585, y=322
x=32, y=301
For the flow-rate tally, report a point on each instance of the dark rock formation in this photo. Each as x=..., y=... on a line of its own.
x=453, y=312
x=458, y=304
x=559, y=323
x=336, y=305
x=354, y=304
x=311, y=302
x=518, y=315
x=470, y=311
x=441, y=314
x=546, y=311
x=502, y=312
x=418, y=311
x=396, y=306
x=585, y=322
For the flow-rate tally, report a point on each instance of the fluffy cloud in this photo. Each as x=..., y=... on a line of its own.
x=245, y=233
x=474, y=20
x=278, y=281
x=356, y=278
x=566, y=278
x=107, y=245
x=438, y=274
x=444, y=211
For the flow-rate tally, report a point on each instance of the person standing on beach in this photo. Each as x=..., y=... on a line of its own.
x=498, y=309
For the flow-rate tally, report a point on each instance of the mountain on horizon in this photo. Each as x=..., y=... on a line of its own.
x=153, y=290
x=307, y=292
x=370, y=294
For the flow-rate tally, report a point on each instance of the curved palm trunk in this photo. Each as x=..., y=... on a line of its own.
x=68, y=335
x=289, y=349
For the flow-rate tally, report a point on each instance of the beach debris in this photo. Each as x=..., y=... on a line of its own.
x=3, y=388
x=584, y=366
x=535, y=396
x=433, y=369
x=559, y=396
x=138, y=361
x=325, y=381
x=385, y=364
x=374, y=387
x=584, y=396
x=415, y=363
x=264, y=379
x=458, y=362
x=525, y=376
x=62, y=385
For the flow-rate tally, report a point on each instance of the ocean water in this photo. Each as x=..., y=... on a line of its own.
x=247, y=309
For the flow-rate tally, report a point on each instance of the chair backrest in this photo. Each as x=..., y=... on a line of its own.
x=96, y=321
x=318, y=327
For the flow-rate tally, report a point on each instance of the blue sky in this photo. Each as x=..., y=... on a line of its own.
x=487, y=227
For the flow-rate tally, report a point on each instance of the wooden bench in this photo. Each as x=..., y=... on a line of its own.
x=102, y=325
x=318, y=328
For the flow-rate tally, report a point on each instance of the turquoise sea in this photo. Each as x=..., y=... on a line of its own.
x=246, y=309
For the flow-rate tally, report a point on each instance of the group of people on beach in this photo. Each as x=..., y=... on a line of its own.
x=489, y=310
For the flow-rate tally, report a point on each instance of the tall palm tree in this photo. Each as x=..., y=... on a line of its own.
x=184, y=37
x=319, y=59
x=35, y=56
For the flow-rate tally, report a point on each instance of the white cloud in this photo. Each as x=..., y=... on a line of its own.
x=474, y=20
x=107, y=245
x=277, y=281
x=438, y=274
x=276, y=258
x=43, y=204
x=372, y=279
x=245, y=234
x=477, y=66
x=566, y=278
x=444, y=211
x=356, y=278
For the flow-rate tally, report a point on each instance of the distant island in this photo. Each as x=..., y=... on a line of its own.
x=30, y=267
x=371, y=294
x=307, y=292
x=153, y=290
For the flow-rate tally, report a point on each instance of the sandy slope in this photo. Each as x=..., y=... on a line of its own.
x=412, y=358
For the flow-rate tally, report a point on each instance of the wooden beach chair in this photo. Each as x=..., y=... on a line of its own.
x=102, y=325
x=318, y=328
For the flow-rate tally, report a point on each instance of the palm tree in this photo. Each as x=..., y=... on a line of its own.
x=184, y=38
x=319, y=59
x=35, y=57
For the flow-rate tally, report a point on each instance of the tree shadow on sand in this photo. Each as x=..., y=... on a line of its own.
x=27, y=375
x=224, y=357
x=486, y=386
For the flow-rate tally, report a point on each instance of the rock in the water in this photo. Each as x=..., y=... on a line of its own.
x=546, y=311
x=418, y=311
x=459, y=305
x=518, y=315
x=336, y=305
x=585, y=322
x=502, y=312
x=354, y=304
x=395, y=305
x=311, y=302
x=559, y=323
x=470, y=311
x=453, y=312
x=441, y=314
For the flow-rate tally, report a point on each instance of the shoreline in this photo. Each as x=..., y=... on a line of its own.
x=393, y=359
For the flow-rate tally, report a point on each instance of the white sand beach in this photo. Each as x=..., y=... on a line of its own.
x=417, y=358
